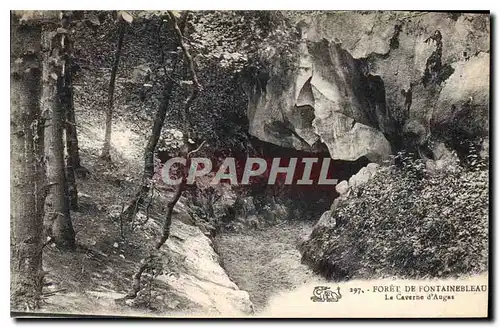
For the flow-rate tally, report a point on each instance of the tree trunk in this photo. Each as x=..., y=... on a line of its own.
x=133, y=206
x=26, y=167
x=57, y=221
x=72, y=157
x=70, y=171
x=185, y=122
x=71, y=130
x=73, y=148
x=106, y=155
x=168, y=88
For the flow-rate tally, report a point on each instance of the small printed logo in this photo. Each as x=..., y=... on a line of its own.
x=325, y=294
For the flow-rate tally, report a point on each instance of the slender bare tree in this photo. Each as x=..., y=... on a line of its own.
x=123, y=18
x=168, y=88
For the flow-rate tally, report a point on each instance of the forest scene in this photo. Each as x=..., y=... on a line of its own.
x=102, y=101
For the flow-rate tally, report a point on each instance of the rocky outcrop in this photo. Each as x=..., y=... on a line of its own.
x=344, y=188
x=202, y=280
x=363, y=176
x=365, y=84
x=325, y=103
x=357, y=179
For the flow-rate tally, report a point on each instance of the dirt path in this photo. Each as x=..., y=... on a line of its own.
x=265, y=262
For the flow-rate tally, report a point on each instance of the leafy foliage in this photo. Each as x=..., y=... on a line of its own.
x=232, y=48
x=239, y=38
x=406, y=222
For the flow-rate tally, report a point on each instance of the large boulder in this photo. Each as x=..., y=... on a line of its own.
x=202, y=281
x=325, y=102
x=342, y=187
x=363, y=176
x=365, y=83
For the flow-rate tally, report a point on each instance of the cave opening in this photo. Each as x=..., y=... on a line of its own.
x=273, y=202
x=305, y=202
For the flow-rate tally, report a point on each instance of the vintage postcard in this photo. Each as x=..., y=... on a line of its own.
x=276, y=164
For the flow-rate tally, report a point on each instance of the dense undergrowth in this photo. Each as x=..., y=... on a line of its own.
x=407, y=222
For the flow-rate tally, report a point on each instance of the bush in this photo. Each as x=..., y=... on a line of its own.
x=406, y=222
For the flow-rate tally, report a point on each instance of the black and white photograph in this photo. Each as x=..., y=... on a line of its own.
x=250, y=164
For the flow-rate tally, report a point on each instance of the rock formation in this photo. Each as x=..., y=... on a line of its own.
x=368, y=84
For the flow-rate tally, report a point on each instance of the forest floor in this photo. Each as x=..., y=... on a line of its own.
x=91, y=279
x=99, y=271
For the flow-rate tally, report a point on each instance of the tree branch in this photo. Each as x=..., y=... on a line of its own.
x=187, y=105
x=196, y=150
x=196, y=85
x=185, y=51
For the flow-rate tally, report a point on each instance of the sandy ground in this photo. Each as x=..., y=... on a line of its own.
x=266, y=262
